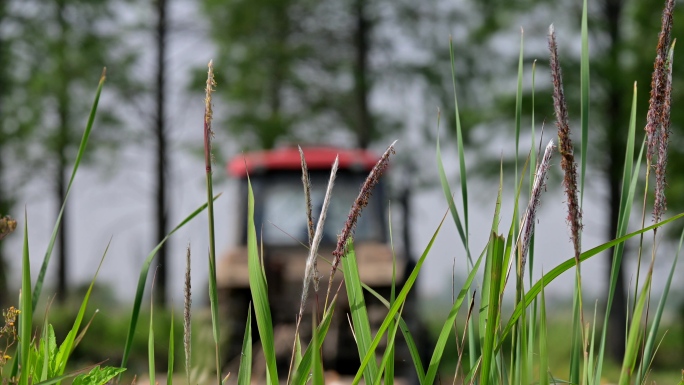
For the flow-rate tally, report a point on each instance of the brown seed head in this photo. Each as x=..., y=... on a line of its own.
x=565, y=147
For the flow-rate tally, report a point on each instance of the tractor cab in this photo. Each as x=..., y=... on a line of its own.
x=281, y=224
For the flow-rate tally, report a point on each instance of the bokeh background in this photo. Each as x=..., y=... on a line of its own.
x=347, y=73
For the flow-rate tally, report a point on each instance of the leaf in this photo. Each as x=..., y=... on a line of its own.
x=98, y=376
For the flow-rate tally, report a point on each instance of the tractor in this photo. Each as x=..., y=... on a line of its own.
x=281, y=225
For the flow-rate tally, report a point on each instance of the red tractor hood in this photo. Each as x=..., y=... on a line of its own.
x=288, y=159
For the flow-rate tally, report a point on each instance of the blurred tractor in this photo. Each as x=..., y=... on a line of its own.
x=281, y=223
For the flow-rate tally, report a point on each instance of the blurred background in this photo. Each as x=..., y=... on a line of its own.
x=344, y=73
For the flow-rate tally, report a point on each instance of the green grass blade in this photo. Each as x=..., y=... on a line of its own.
x=447, y=326
x=590, y=368
x=472, y=346
x=389, y=353
x=258, y=287
x=357, y=308
x=68, y=345
x=461, y=153
x=518, y=114
x=497, y=245
x=630, y=177
x=584, y=99
x=213, y=300
x=388, y=365
x=26, y=315
x=450, y=198
x=79, y=155
x=410, y=342
x=245, y=371
x=543, y=347
x=318, y=377
x=150, y=344
x=169, y=370
x=567, y=265
x=57, y=379
x=634, y=337
x=652, y=334
x=401, y=297
x=576, y=339
x=143, y=279
x=301, y=375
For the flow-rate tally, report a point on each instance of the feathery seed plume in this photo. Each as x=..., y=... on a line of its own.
x=565, y=146
x=307, y=195
x=533, y=205
x=360, y=203
x=208, y=116
x=186, y=314
x=311, y=273
x=659, y=83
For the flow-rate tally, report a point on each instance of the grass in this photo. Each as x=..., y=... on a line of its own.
x=496, y=346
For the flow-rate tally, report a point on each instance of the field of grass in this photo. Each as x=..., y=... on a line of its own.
x=493, y=345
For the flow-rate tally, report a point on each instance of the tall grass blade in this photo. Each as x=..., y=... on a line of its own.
x=543, y=346
x=318, y=377
x=629, y=181
x=208, y=135
x=79, y=155
x=576, y=337
x=496, y=245
x=450, y=198
x=258, y=287
x=389, y=353
x=245, y=371
x=584, y=99
x=447, y=326
x=26, y=315
x=634, y=337
x=359, y=313
x=301, y=375
x=143, y=279
x=401, y=297
x=68, y=345
x=408, y=337
x=652, y=334
x=567, y=265
x=172, y=353
x=518, y=116
x=461, y=153
x=150, y=343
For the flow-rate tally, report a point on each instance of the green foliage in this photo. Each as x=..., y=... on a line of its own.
x=292, y=69
x=98, y=376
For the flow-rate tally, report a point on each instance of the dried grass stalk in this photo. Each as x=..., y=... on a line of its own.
x=187, y=331
x=311, y=274
x=532, y=207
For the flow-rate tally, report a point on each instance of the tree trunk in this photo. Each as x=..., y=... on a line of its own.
x=616, y=133
x=62, y=162
x=4, y=201
x=365, y=129
x=161, y=166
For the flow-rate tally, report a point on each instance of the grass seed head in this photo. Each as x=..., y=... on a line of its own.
x=533, y=205
x=187, y=331
x=565, y=146
x=360, y=203
x=208, y=116
x=659, y=83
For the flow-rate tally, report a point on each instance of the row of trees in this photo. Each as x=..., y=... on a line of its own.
x=305, y=71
